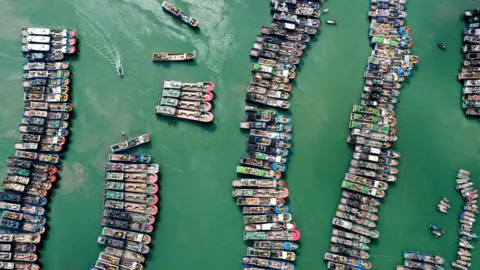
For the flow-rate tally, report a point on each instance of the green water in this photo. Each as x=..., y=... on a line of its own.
x=199, y=225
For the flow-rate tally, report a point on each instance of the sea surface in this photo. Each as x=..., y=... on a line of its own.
x=199, y=225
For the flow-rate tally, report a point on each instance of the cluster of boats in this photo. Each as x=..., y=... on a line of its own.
x=130, y=207
x=470, y=73
x=185, y=100
x=372, y=132
x=467, y=220
x=269, y=226
x=48, y=43
x=420, y=260
x=32, y=171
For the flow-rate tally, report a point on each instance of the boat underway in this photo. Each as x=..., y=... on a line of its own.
x=179, y=14
x=172, y=57
x=127, y=144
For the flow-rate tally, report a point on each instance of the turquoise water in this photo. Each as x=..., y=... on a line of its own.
x=199, y=226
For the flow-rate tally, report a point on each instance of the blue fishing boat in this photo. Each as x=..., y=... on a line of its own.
x=179, y=14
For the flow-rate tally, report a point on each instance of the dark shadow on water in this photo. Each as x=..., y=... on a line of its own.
x=167, y=64
x=210, y=127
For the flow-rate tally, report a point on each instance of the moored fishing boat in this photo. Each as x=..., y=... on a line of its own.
x=130, y=158
x=248, y=210
x=262, y=99
x=270, y=227
x=44, y=57
x=342, y=250
x=265, y=126
x=45, y=66
x=124, y=244
x=271, y=264
x=186, y=104
x=351, y=236
x=355, y=219
x=347, y=260
x=132, y=197
x=377, y=175
x=127, y=225
x=263, y=164
x=275, y=245
x=271, y=254
x=184, y=114
x=27, y=199
x=357, y=212
x=125, y=254
x=375, y=158
x=132, y=217
x=198, y=86
x=188, y=95
x=259, y=172
x=132, y=207
x=132, y=177
x=274, y=158
x=260, y=193
x=423, y=257
x=268, y=150
x=261, y=183
x=127, y=235
x=377, y=151
x=357, y=140
x=267, y=218
x=145, y=188
x=355, y=228
x=259, y=201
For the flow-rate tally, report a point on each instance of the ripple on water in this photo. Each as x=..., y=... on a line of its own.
x=73, y=178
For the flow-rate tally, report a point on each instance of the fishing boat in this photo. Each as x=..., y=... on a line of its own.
x=275, y=245
x=172, y=57
x=185, y=86
x=132, y=207
x=52, y=74
x=377, y=151
x=127, y=235
x=376, y=175
x=343, y=250
x=127, y=144
x=286, y=17
x=44, y=57
x=260, y=183
x=124, y=244
x=253, y=219
x=130, y=158
x=179, y=14
x=263, y=99
x=259, y=172
x=129, y=216
x=145, y=188
x=369, y=118
x=259, y=201
x=355, y=228
x=132, y=197
x=132, y=177
x=188, y=95
x=248, y=210
x=271, y=134
x=273, y=235
x=355, y=219
x=293, y=27
x=125, y=254
x=372, y=135
x=271, y=254
x=270, y=85
x=268, y=93
x=375, y=158
x=263, y=164
x=358, y=140
x=379, y=167
x=271, y=264
x=185, y=104
x=270, y=227
x=357, y=212
x=260, y=193
x=128, y=225
x=27, y=199
x=351, y=236
x=198, y=116
x=347, y=260
x=45, y=66
x=423, y=257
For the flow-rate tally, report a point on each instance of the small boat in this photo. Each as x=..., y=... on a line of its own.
x=260, y=201
x=172, y=57
x=331, y=22
x=275, y=245
x=260, y=193
x=179, y=14
x=120, y=71
x=127, y=144
x=441, y=46
x=436, y=231
x=199, y=116
x=130, y=158
x=271, y=264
